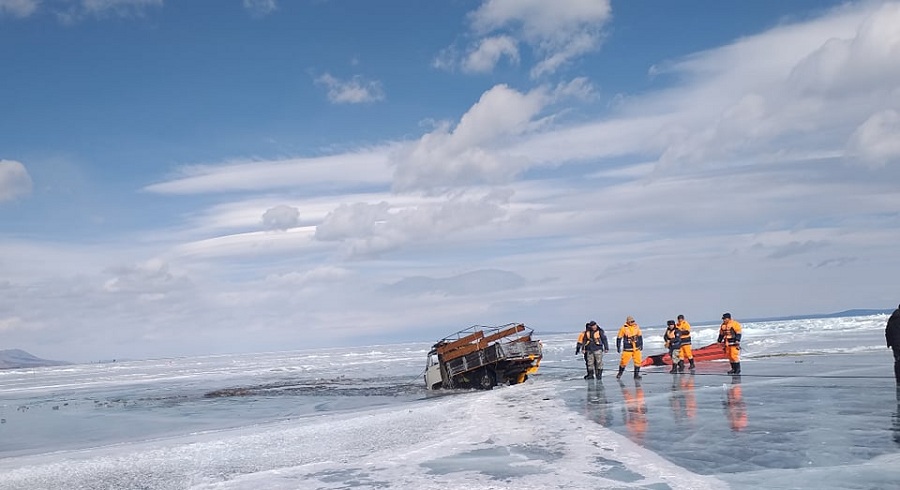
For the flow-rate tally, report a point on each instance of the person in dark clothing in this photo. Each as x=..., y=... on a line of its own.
x=672, y=340
x=594, y=344
x=892, y=335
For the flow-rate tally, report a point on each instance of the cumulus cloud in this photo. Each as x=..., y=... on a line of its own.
x=260, y=8
x=876, y=142
x=151, y=279
x=14, y=180
x=556, y=32
x=369, y=229
x=469, y=153
x=18, y=8
x=281, y=217
x=488, y=52
x=353, y=91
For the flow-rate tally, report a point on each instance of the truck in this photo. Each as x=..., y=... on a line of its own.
x=482, y=357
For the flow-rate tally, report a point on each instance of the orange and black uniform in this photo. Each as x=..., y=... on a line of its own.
x=686, y=350
x=594, y=344
x=730, y=335
x=672, y=341
x=630, y=342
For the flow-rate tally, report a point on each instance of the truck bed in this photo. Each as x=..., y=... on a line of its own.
x=494, y=353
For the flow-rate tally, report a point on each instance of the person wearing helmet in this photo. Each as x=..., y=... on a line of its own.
x=594, y=344
x=630, y=342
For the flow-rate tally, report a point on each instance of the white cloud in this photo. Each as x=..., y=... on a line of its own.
x=557, y=32
x=281, y=217
x=488, y=52
x=370, y=229
x=365, y=167
x=688, y=198
x=473, y=283
x=80, y=9
x=353, y=91
x=18, y=8
x=261, y=8
x=14, y=180
x=469, y=152
x=151, y=277
x=316, y=276
x=876, y=142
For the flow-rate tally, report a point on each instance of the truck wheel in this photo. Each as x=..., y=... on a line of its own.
x=486, y=379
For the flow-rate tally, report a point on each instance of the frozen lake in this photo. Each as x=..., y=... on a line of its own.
x=816, y=407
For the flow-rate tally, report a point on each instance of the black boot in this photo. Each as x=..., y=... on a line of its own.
x=737, y=368
x=691, y=360
x=680, y=366
x=674, y=368
x=621, y=370
x=637, y=373
x=599, y=373
x=589, y=375
x=732, y=369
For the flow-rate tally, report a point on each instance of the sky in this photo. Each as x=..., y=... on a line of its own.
x=202, y=177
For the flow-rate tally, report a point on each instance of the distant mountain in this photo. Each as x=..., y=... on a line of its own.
x=17, y=358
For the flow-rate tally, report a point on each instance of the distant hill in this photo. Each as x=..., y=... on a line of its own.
x=17, y=358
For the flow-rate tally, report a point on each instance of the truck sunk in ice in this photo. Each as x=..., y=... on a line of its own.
x=482, y=357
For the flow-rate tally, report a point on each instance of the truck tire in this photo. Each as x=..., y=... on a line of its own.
x=485, y=379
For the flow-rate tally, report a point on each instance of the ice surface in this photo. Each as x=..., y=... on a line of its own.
x=816, y=407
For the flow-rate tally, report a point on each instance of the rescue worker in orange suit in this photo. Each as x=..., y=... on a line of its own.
x=735, y=408
x=594, y=344
x=634, y=411
x=686, y=351
x=892, y=335
x=730, y=336
x=672, y=340
x=630, y=342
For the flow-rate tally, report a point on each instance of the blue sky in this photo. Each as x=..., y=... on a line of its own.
x=229, y=176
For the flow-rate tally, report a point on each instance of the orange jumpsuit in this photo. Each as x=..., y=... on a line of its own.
x=629, y=342
x=730, y=335
x=686, y=351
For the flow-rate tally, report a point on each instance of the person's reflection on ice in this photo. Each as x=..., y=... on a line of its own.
x=634, y=410
x=735, y=407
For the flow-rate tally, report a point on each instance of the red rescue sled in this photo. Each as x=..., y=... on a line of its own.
x=711, y=352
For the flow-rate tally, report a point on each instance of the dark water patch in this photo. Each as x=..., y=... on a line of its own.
x=349, y=478
x=336, y=387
